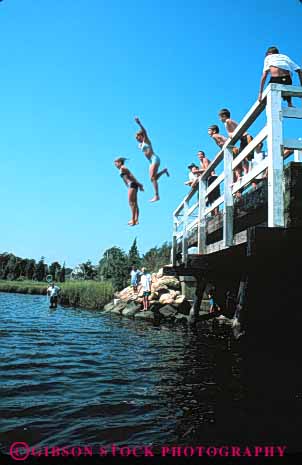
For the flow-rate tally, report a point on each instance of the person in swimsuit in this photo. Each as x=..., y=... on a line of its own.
x=133, y=186
x=154, y=160
x=245, y=139
x=280, y=68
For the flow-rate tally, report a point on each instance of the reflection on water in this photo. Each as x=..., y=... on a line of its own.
x=81, y=377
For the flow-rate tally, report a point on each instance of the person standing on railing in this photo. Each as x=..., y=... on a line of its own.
x=280, y=68
x=154, y=160
x=245, y=139
x=133, y=186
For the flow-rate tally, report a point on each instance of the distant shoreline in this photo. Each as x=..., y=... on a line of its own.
x=84, y=294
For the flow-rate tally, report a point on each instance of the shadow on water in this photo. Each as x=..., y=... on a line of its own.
x=81, y=377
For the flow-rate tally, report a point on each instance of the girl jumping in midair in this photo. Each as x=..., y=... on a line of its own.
x=154, y=160
x=133, y=186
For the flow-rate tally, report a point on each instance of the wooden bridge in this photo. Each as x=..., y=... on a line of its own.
x=268, y=205
x=254, y=242
x=251, y=254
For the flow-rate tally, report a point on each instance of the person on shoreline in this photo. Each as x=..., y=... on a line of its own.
x=245, y=139
x=154, y=160
x=146, y=282
x=134, y=278
x=133, y=186
x=53, y=293
x=280, y=68
x=212, y=301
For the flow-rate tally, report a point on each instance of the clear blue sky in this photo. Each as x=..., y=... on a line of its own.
x=73, y=76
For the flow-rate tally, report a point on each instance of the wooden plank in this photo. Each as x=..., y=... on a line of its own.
x=292, y=112
x=215, y=204
x=193, y=208
x=298, y=156
x=248, y=120
x=239, y=238
x=174, y=250
x=294, y=91
x=250, y=147
x=192, y=224
x=215, y=183
x=293, y=143
x=275, y=159
x=228, y=199
x=201, y=240
x=187, y=198
x=185, y=235
x=247, y=178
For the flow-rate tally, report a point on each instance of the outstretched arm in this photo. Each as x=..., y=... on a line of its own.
x=262, y=82
x=137, y=120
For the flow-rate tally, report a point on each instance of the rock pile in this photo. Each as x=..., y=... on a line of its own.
x=166, y=301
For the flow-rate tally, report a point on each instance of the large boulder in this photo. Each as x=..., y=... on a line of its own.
x=168, y=312
x=172, y=293
x=144, y=315
x=181, y=319
x=160, y=273
x=109, y=307
x=155, y=306
x=166, y=299
x=182, y=304
x=119, y=307
x=159, y=288
x=125, y=293
x=170, y=282
x=131, y=309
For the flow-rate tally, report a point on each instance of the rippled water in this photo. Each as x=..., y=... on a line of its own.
x=74, y=376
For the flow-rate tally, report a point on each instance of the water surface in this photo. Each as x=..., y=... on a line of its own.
x=73, y=376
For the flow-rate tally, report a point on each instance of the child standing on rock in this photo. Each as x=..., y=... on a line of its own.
x=146, y=282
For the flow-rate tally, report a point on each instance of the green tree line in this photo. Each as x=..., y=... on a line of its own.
x=114, y=266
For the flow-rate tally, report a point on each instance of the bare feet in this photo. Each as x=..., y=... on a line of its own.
x=132, y=223
x=155, y=198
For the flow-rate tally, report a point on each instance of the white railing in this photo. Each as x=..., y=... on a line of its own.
x=192, y=212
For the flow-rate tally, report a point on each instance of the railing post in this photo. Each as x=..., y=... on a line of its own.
x=228, y=214
x=201, y=216
x=298, y=155
x=275, y=159
x=174, y=242
x=185, y=233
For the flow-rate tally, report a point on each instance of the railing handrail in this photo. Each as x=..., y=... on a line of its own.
x=272, y=101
